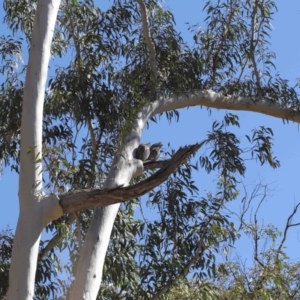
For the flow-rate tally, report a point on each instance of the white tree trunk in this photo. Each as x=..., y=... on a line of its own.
x=34, y=213
x=89, y=271
x=33, y=216
x=91, y=260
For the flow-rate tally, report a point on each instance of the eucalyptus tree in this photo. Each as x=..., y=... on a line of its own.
x=268, y=273
x=71, y=134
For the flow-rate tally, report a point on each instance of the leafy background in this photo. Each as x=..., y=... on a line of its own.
x=194, y=123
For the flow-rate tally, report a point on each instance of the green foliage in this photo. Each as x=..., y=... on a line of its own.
x=47, y=270
x=102, y=82
x=272, y=275
x=6, y=241
x=146, y=257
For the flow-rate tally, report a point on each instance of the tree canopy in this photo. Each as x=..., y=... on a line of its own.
x=114, y=72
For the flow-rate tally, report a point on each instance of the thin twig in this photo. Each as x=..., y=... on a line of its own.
x=287, y=226
x=55, y=240
x=72, y=31
x=89, y=121
x=201, y=247
x=256, y=237
x=94, y=148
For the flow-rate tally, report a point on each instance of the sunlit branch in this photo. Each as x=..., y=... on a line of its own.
x=86, y=199
x=147, y=36
x=212, y=99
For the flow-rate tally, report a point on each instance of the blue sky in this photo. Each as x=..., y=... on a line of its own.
x=195, y=122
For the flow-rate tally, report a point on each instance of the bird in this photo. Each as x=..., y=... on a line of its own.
x=154, y=152
x=142, y=152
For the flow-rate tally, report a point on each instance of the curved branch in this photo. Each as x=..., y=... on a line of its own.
x=87, y=199
x=216, y=100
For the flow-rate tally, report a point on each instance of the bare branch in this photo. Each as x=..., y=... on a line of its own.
x=201, y=247
x=256, y=236
x=288, y=225
x=87, y=199
x=148, y=40
x=216, y=100
x=246, y=204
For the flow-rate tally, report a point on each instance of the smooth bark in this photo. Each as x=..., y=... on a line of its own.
x=212, y=99
x=36, y=210
x=33, y=216
x=89, y=272
x=88, y=277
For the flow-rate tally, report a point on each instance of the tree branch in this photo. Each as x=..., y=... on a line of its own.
x=253, y=46
x=287, y=227
x=256, y=236
x=148, y=40
x=201, y=247
x=217, y=100
x=148, y=165
x=87, y=199
x=226, y=30
x=56, y=239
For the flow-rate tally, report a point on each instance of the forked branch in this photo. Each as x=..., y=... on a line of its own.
x=87, y=199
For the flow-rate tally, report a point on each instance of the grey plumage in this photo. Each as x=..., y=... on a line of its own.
x=142, y=152
x=155, y=152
